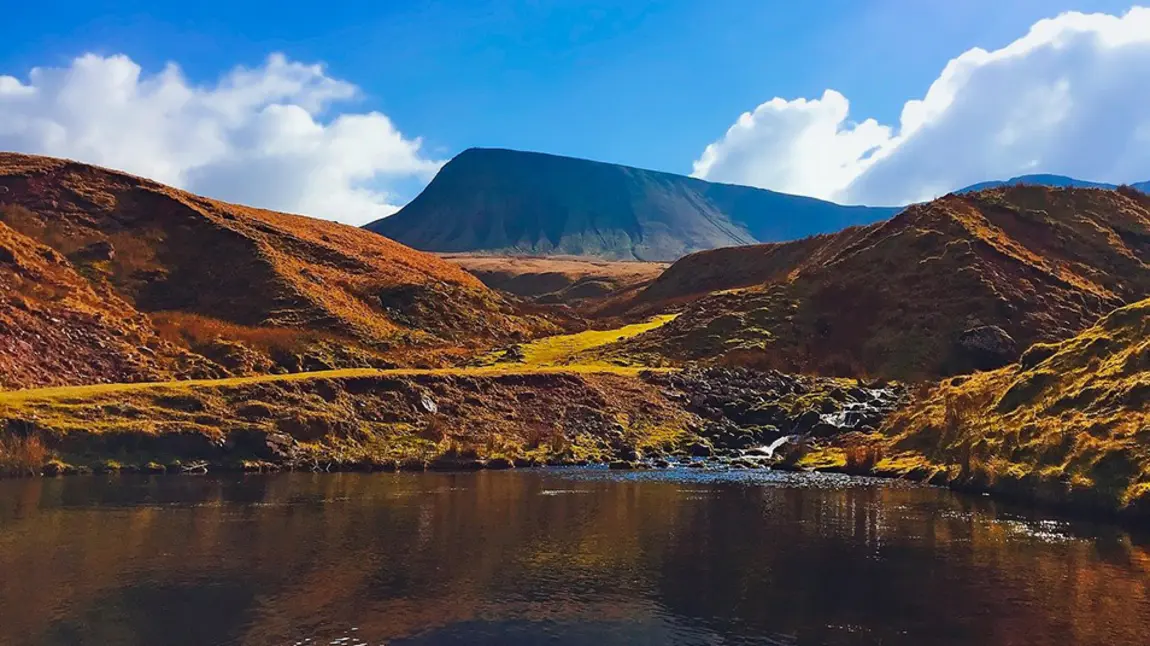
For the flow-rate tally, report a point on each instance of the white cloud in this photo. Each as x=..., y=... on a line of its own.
x=1071, y=97
x=258, y=136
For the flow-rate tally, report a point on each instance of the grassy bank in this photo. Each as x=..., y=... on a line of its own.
x=1067, y=426
x=545, y=407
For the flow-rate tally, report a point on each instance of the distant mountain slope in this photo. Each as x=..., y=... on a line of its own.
x=558, y=279
x=1043, y=179
x=505, y=201
x=252, y=289
x=960, y=283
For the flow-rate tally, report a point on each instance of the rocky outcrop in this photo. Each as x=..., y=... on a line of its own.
x=745, y=411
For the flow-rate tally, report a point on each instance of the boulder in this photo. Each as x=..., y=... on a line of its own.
x=805, y=421
x=985, y=347
x=700, y=449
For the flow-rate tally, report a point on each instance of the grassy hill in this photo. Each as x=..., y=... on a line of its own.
x=1069, y=424
x=247, y=290
x=965, y=282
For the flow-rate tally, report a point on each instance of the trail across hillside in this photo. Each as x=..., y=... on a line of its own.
x=555, y=354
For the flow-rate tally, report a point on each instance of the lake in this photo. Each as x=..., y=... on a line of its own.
x=559, y=556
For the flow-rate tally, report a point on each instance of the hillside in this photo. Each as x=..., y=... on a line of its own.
x=57, y=328
x=554, y=280
x=504, y=201
x=962, y=283
x=1069, y=424
x=250, y=290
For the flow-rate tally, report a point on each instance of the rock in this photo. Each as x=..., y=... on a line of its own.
x=500, y=464
x=700, y=449
x=457, y=461
x=824, y=429
x=769, y=414
x=623, y=465
x=514, y=353
x=984, y=348
x=428, y=404
x=257, y=443
x=1036, y=354
x=412, y=464
x=804, y=422
x=95, y=252
x=628, y=454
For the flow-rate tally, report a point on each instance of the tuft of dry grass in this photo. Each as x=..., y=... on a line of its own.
x=22, y=456
x=196, y=330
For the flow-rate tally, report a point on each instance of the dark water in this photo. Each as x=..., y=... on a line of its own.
x=552, y=557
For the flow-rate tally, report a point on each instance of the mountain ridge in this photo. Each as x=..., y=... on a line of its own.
x=496, y=200
x=1049, y=179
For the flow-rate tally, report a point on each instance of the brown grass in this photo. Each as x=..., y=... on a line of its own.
x=22, y=456
x=273, y=280
x=891, y=300
x=195, y=330
x=862, y=457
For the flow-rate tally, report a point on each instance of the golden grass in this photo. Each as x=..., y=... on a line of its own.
x=566, y=348
x=550, y=355
x=1072, y=422
x=81, y=392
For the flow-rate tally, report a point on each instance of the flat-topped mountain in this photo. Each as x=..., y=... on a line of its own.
x=506, y=201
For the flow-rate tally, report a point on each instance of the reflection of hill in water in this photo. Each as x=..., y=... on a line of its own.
x=440, y=558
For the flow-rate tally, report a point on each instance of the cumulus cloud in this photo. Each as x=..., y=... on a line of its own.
x=258, y=136
x=1069, y=97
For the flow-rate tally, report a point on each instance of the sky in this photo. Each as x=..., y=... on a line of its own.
x=346, y=110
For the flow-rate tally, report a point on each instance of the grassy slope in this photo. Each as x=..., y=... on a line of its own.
x=891, y=300
x=573, y=281
x=550, y=406
x=252, y=289
x=56, y=327
x=1069, y=425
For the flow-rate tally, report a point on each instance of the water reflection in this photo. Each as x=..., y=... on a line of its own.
x=569, y=557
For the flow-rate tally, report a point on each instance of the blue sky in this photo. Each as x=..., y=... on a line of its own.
x=645, y=84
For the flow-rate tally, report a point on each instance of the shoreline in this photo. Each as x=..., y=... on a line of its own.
x=1069, y=508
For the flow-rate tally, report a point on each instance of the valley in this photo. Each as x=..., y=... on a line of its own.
x=991, y=340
